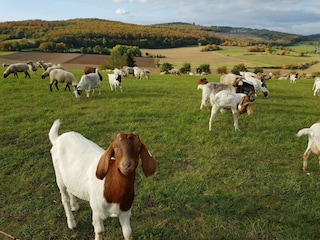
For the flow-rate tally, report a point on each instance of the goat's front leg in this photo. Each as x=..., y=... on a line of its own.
x=235, y=120
x=88, y=92
x=124, y=220
x=98, y=226
x=214, y=111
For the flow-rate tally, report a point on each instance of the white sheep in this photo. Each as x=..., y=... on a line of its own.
x=115, y=82
x=44, y=65
x=228, y=78
x=62, y=76
x=128, y=70
x=140, y=73
x=313, y=143
x=15, y=68
x=105, y=178
x=88, y=82
x=32, y=67
x=49, y=69
x=174, y=71
x=239, y=103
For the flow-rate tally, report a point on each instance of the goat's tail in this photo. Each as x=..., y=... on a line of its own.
x=304, y=131
x=53, y=133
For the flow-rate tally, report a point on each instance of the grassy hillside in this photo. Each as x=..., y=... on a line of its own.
x=209, y=185
x=75, y=34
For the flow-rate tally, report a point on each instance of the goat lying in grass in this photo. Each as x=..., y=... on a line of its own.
x=104, y=178
x=313, y=143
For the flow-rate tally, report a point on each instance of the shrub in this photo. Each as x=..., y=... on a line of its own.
x=222, y=70
x=166, y=67
x=186, y=67
x=239, y=68
x=204, y=68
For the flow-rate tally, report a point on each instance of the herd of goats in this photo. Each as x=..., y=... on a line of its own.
x=106, y=178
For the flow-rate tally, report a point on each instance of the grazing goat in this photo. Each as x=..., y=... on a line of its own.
x=15, y=68
x=239, y=103
x=313, y=143
x=62, y=76
x=104, y=178
x=115, y=82
x=259, y=85
x=89, y=81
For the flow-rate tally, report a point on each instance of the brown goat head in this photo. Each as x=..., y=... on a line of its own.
x=125, y=152
x=203, y=81
x=245, y=106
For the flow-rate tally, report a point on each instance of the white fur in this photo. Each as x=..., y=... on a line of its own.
x=75, y=160
x=114, y=83
x=89, y=81
x=316, y=87
x=15, y=68
x=226, y=100
x=313, y=143
x=62, y=76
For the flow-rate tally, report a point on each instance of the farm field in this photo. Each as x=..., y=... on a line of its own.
x=228, y=56
x=223, y=184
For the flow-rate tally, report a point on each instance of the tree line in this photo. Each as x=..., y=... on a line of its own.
x=99, y=36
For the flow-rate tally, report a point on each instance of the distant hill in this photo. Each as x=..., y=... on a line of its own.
x=93, y=35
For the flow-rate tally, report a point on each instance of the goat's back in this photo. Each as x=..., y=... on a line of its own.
x=73, y=157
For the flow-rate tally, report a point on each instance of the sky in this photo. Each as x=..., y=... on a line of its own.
x=289, y=16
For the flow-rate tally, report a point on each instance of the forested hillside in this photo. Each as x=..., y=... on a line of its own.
x=98, y=36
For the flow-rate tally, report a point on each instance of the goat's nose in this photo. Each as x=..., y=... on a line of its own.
x=126, y=165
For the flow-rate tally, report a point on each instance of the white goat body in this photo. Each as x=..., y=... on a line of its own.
x=104, y=178
x=313, y=143
x=89, y=81
x=115, y=82
x=239, y=103
x=293, y=78
x=259, y=85
x=209, y=88
x=316, y=87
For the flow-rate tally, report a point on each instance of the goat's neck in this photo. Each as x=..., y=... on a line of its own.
x=119, y=188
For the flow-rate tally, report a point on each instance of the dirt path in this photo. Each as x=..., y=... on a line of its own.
x=71, y=60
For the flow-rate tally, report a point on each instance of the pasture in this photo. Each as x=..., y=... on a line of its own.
x=223, y=184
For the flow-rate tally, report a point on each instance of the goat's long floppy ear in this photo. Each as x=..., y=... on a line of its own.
x=149, y=164
x=249, y=109
x=103, y=164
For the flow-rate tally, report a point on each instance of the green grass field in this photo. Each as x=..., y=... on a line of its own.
x=223, y=184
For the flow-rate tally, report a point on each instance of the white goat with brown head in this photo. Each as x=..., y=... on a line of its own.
x=104, y=178
x=239, y=103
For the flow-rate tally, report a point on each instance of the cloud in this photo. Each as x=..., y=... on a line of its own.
x=121, y=11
